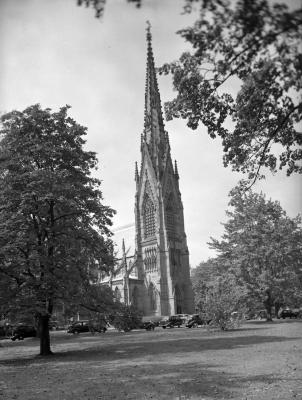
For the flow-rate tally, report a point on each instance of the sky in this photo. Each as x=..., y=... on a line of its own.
x=55, y=53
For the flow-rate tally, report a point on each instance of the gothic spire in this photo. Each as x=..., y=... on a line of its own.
x=154, y=126
x=124, y=257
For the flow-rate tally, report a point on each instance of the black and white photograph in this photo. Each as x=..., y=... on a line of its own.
x=150, y=199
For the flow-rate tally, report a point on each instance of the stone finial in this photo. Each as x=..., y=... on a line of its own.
x=176, y=170
x=136, y=173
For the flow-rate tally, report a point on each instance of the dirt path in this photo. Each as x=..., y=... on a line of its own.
x=261, y=361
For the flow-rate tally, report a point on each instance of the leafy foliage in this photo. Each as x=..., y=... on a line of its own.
x=255, y=46
x=53, y=226
x=99, y=5
x=261, y=247
x=218, y=295
x=126, y=319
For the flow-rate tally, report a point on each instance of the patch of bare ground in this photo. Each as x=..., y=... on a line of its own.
x=259, y=361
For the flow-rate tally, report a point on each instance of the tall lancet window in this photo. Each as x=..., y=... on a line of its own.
x=148, y=217
x=170, y=215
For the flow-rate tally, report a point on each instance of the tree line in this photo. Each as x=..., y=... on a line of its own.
x=258, y=263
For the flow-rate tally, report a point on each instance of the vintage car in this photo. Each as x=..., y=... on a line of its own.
x=22, y=331
x=87, y=326
x=288, y=313
x=195, y=321
x=148, y=325
x=171, y=322
x=78, y=327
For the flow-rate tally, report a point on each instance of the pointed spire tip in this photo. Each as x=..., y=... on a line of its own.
x=136, y=172
x=148, y=29
x=176, y=169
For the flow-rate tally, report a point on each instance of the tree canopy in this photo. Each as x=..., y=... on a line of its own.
x=99, y=5
x=218, y=294
x=54, y=229
x=261, y=247
x=242, y=81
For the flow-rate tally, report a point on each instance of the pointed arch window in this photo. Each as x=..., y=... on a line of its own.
x=148, y=217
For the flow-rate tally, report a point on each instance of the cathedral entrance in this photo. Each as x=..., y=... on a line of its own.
x=178, y=298
x=152, y=297
x=134, y=300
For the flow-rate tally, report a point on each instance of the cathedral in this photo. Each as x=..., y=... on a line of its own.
x=156, y=279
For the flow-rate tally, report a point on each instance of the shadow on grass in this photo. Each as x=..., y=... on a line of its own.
x=134, y=346
x=193, y=381
x=162, y=365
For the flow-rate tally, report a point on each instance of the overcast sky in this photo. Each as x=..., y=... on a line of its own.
x=55, y=53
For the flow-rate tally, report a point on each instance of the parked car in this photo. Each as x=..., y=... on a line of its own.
x=78, y=327
x=148, y=325
x=195, y=321
x=87, y=326
x=288, y=313
x=171, y=322
x=184, y=317
x=22, y=331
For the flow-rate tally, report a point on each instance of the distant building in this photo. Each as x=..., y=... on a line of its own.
x=156, y=279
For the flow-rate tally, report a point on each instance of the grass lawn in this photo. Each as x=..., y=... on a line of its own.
x=259, y=361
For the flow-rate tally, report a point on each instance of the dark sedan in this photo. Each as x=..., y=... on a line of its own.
x=23, y=331
x=78, y=327
x=195, y=321
x=173, y=321
x=288, y=313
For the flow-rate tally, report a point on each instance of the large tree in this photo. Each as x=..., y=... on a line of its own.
x=217, y=293
x=262, y=247
x=53, y=226
x=242, y=81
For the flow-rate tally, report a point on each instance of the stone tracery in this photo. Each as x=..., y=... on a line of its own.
x=148, y=216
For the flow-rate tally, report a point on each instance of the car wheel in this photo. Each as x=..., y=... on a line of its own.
x=13, y=339
x=164, y=327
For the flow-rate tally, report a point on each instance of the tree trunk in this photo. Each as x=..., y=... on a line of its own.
x=44, y=335
x=277, y=309
x=268, y=304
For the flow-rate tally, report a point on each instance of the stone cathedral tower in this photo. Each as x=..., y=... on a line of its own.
x=162, y=257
